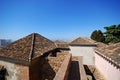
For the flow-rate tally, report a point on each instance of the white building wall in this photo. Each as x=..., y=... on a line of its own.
x=109, y=71
x=86, y=51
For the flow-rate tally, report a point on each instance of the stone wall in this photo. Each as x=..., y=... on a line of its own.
x=15, y=71
x=77, y=71
x=63, y=71
x=22, y=72
x=43, y=68
x=55, y=62
x=34, y=68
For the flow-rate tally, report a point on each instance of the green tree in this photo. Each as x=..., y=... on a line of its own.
x=112, y=34
x=94, y=35
x=97, y=35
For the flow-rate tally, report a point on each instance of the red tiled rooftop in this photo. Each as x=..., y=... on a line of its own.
x=27, y=48
x=112, y=51
x=82, y=41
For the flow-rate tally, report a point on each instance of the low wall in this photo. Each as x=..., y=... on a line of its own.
x=40, y=69
x=55, y=62
x=110, y=71
x=77, y=71
x=46, y=68
x=62, y=73
x=82, y=70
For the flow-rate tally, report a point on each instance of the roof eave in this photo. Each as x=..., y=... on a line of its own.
x=83, y=45
x=16, y=61
x=108, y=59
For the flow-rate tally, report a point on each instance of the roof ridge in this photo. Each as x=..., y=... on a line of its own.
x=32, y=46
x=87, y=40
x=78, y=39
x=73, y=40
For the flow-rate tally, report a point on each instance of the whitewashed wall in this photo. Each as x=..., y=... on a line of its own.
x=86, y=51
x=109, y=71
x=15, y=72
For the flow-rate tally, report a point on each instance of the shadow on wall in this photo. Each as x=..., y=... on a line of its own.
x=40, y=69
x=88, y=72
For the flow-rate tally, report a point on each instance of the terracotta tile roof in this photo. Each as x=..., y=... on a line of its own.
x=61, y=44
x=82, y=41
x=99, y=44
x=65, y=45
x=27, y=48
x=111, y=51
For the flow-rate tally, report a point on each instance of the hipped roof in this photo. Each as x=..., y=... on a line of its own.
x=82, y=42
x=27, y=48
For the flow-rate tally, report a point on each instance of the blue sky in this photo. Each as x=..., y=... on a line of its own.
x=56, y=19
